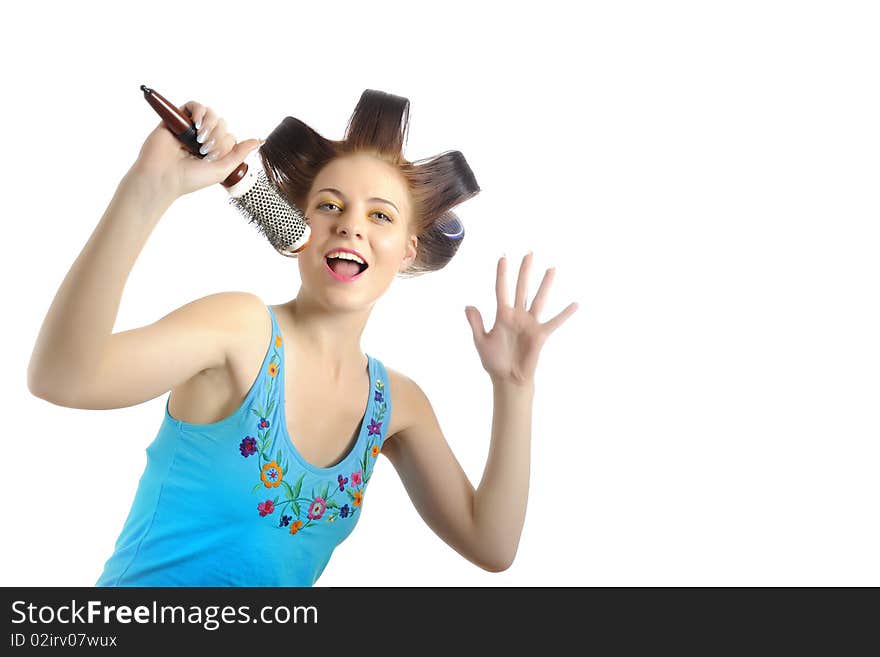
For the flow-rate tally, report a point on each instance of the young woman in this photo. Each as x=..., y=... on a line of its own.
x=264, y=454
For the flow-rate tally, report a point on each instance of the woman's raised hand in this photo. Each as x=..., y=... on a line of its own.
x=173, y=171
x=509, y=352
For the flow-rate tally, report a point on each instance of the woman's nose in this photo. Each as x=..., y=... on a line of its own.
x=349, y=225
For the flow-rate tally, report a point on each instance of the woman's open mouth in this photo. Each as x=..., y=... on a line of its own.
x=344, y=270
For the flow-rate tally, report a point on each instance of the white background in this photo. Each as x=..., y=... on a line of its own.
x=702, y=175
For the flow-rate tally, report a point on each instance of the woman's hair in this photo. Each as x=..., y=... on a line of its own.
x=294, y=154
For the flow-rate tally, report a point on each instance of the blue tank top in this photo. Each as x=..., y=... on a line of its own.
x=232, y=503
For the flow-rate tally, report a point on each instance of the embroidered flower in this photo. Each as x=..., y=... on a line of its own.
x=263, y=423
x=285, y=520
x=358, y=498
x=331, y=518
x=271, y=475
x=356, y=478
x=344, y=511
x=378, y=396
x=295, y=525
x=375, y=450
x=379, y=383
x=248, y=446
x=342, y=481
x=266, y=508
x=273, y=369
x=375, y=428
x=317, y=508
x=278, y=341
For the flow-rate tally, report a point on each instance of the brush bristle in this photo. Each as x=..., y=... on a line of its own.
x=279, y=221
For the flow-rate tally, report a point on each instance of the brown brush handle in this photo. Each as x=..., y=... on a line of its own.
x=181, y=126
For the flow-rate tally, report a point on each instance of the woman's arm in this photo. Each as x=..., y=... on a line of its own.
x=500, y=501
x=484, y=525
x=77, y=360
x=80, y=320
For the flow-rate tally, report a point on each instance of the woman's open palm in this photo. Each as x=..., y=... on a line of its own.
x=510, y=350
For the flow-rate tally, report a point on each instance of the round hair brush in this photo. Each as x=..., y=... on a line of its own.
x=252, y=193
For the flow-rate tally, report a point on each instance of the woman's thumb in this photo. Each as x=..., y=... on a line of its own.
x=475, y=319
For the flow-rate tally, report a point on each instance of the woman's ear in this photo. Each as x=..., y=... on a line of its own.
x=412, y=250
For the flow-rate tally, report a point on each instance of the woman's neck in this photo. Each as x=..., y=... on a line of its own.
x=326, y=337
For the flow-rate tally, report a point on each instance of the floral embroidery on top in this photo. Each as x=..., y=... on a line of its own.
x=328, y=501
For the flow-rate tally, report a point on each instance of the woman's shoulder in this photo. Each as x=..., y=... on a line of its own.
x=240, y=312
x=228, y=317
x=245, y=307
x=240, y=320
x=231, y=309
x=246, y=319
x=406, y=396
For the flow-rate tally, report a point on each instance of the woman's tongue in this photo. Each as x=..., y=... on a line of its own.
x=346, y=268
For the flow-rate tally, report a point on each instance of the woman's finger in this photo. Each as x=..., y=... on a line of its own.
x=196, y=112
x=216, y=140
x=553, y=324
x=208, y=122
x=501, y=282
x=220, y=148
x=541, y=294
x=475, y=319
x=522, y=282
x=220, y=128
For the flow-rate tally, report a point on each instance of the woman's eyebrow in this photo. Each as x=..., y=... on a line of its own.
x=374, y=198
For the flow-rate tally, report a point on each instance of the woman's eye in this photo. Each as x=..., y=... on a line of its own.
x=382, y=215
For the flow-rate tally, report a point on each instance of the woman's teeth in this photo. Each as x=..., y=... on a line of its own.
x=344, y=268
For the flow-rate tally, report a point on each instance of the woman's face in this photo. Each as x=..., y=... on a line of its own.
x=357, y=202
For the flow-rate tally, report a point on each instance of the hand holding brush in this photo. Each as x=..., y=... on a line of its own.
x=176, y=172
x=211, y=155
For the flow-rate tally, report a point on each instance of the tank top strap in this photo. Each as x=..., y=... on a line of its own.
x=276, y=332
x=381, y=398
x=270, y=389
